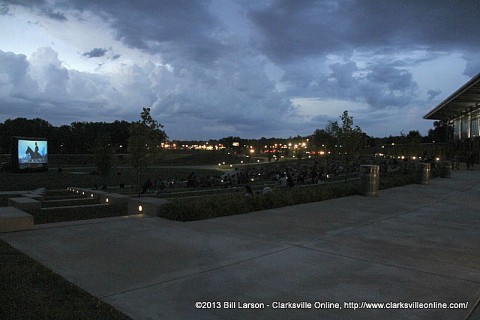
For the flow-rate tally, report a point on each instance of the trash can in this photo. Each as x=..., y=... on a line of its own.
x=445, y=169
x=423, y=173
x=369, y=180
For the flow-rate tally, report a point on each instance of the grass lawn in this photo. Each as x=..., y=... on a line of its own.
x=83, y=177
x=165, y=158
x=31, y=291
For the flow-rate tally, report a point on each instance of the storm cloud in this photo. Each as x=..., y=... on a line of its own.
x=95, y=53
x=297, y=29
x=215, y=68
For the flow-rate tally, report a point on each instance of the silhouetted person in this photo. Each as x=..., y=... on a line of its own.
x=249, y=191
x=290, y=181
x=146, y=186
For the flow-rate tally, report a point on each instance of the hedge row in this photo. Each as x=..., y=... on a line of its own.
x=225, y=205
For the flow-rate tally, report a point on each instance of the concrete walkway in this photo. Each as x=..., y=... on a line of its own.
x=411, y=244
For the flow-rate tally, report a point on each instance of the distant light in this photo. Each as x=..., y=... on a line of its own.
x=223, y=162
x=83, y=192
x=91, y=195
x=140, y=208
x=241, y=161
x=106, y=200
x=219, y=164
x=258, y=160
x=231, y=165
x=437, y=159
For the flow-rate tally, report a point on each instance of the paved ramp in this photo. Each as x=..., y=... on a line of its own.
x=413, y=244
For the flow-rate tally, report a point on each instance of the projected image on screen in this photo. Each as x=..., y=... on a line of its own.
x=31, y=152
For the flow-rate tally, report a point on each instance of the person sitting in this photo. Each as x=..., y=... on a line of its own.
x=282, y=182
x=146, y=186
x=249, y=191
x=266, y=190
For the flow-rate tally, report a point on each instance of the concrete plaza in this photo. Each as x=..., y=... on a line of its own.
x=413, y=244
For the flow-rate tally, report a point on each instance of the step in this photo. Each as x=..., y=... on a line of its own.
x=13, y=219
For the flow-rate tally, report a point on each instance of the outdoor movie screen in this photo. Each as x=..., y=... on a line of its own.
x=32, y=153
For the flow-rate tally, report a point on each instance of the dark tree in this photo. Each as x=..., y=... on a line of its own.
x=144, y=142
x=441, y=132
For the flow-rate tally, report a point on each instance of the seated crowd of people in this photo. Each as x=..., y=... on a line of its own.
x=279, y=175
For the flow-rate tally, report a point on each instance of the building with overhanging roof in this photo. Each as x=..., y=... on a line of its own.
x=461, y=110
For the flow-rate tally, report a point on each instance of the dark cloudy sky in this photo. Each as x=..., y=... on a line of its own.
x=210, y=69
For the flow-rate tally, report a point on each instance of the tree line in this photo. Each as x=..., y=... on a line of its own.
x=76, y=138
x=82, y=137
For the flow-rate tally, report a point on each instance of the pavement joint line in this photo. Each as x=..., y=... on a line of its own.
x=475, y=305
x=69, y=224
x=463, y=225
x=385, y=264
x=428, y=259
x=198, y=273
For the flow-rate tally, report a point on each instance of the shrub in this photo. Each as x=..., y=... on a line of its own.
x=224, y=205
